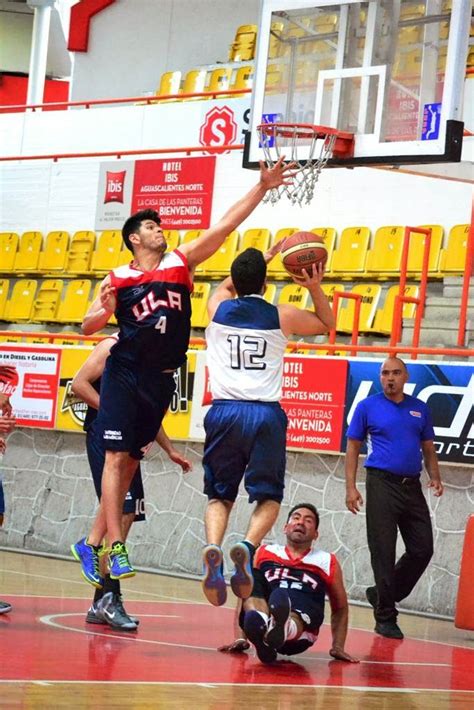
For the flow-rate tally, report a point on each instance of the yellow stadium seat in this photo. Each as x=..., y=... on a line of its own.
x=172, y=237
x=270, y=293
x=276, y=30
x=79, y=256
x=452, y=260
x=199, y=299
x=243, y=79
x=275, y=268
x=194, y=83
x=383, y=259
x=191, y=234
x=125, y=256
x=47, y=299
x=20, y=303
x=242, y=48
x=370, y=294
x=329, y=289
x=8, y=247
x=294, y=295
x=106, y=255
x=75, y=303
x=27, y=256
x=53, y=256
x=384, y=315
x=170, y=83
x=219, y=263
x=256, y=239
x=4, y=287
x=349, y=258
x=415, y=253
x=329, y=236
x=220, y=79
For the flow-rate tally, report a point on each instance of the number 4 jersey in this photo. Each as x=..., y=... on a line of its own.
x=245, y=348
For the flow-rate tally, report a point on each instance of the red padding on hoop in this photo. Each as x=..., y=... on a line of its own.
x=81, y=13
x=464, y=618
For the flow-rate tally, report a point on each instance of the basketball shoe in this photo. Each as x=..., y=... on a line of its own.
x=93, y=616
x=5, y=607
x=88, y=556
x=213, y=583
x=280, y=608
x=120, y=567
x=255, y=628
x=241, y=580
x=111, y=611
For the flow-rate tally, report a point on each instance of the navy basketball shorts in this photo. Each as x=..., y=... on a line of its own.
x=245, y=440
x=133, y=402
x=2, y=499
x=135, y=498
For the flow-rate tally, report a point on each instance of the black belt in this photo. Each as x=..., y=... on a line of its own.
x=394, y=477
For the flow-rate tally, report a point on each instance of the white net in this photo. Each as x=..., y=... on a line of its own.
x=277, y=140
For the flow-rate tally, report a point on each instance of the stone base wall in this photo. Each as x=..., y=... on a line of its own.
x=50, y=504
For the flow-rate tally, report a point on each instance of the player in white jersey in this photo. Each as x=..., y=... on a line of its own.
x=246, y=426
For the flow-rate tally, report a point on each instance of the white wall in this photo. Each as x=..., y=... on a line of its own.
x=135, y=41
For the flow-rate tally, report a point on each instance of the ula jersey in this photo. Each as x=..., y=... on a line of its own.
x=245, y=348
x=309, y=574
x=153, y=312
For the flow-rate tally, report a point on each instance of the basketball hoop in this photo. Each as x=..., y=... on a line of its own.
x=289, y=139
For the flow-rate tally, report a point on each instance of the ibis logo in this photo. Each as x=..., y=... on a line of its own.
x=114, y=186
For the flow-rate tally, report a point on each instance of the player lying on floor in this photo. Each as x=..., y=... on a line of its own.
x=286, y=608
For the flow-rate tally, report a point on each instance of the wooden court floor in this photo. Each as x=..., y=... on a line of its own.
x=50, y=658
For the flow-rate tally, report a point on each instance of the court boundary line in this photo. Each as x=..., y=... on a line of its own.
x=361, y=688
x=164, y=599
x=48, y=620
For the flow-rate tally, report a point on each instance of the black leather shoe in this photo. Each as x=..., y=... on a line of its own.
x=372, y=596
x=389, y=629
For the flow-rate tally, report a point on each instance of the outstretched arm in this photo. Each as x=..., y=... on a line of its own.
x=339, y=617
x=204, y=246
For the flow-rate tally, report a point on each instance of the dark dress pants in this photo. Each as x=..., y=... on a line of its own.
x=393, y=505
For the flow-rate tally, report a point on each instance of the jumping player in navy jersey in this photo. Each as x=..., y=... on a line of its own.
x=151, y=300
x=286, y=608
x=107, y=606
x=246, y=426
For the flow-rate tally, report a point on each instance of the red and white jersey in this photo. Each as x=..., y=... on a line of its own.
x=311, y=573
x=153, y=312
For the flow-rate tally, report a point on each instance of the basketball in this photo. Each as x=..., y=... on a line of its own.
x=301, y=251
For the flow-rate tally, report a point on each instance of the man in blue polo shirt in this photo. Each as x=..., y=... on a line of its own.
x=399, y=435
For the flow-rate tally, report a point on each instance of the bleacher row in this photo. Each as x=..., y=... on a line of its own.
x=61, y=273
x=407, y=62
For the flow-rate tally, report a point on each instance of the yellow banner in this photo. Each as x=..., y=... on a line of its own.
x=70, y=410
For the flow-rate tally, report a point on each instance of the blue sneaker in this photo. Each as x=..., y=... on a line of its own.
x=89, y=559
x=120, y=567
x=255, y=629
x=279, y=605
x=213, y=584
x=241, y=580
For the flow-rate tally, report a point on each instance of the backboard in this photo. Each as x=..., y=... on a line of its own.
x=389, y=71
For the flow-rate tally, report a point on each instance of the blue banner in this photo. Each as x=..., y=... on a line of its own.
x=448, y=390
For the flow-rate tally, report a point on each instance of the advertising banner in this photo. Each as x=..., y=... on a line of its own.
x=34, y=392
x=71, y=411
x=114, y=194
x=180, y=189
x=313, y=399
x=448, y=390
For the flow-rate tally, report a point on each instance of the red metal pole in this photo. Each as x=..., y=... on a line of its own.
x=420, y=309
x=466, y=282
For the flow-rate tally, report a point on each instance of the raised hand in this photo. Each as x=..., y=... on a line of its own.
x=108, y=299
x=310, y=276
x=279, y=174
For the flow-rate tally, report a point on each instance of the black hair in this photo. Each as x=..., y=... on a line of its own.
x=248, y=272
x=132, y=224
x=310, y=507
